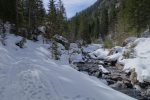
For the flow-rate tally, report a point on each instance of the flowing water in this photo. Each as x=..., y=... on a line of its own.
x=116, y=78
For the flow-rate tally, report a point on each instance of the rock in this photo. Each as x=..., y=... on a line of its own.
x=148, y=91
x=138, y=88
x=73, y=66
x=115, y=50
x=78, y=63
x=143, y=85
x=42, y=29
x=128, y=74
x=7, y=27
x=128, y=84
x=107, y=73
x=129, y=40
x=116, y=78
x=21, y=43
x=100, y=74
x=119, y=66
x=133, y=77
x=118, y=85
x=113, y=63
x=106, y=63
x=103, y=70
x=144, y=98
x=146, y=33
x=110, y=63
x=62, y=41
x=110, y=82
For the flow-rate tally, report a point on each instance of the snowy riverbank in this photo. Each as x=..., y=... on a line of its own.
x=31, y=74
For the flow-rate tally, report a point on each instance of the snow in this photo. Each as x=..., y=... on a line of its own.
x=99, y=54
x=116, y=55
x=31, y=74
x=76, y=57
x=93, y=50
x=130, y=40
x=146, y=33
x=64, y=57
x=42, y=29
x=7, y=27
x=73, y=48
x=104, y=70
x=92, y=47
x=141, y=61
x=75, y=53
x=61, y=38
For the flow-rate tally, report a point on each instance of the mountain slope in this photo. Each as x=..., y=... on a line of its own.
x=30, y=74
x=111, y=21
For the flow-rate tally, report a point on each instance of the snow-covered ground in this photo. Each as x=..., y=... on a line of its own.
x=31, y=74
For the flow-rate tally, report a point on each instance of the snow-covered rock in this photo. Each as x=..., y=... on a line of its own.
x=104, y=70
x=64, y=56
x=141, y=61
x=74, y=48
x=146, y=33
x=75, y=54
x=115, y=53
x=99, y=54
x=7, y=27
x=92, y=47
x=76, y=57
x=129, y=40
x=61, y=40
x=42, y=29
x=31, y=74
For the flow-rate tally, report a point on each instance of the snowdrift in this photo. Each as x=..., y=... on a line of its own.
x=141, y=61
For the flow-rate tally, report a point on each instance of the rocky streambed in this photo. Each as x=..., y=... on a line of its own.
x=115, y=77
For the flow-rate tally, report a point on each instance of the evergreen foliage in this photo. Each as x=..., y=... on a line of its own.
x=30, y=14
x=120, y=18
x=56, y=18
x=106, y=19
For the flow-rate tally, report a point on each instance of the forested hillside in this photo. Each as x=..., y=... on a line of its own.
x=111, y=20
x=106, y=20
x=28, y=15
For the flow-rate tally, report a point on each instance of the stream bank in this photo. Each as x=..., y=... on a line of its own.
x=113, y=76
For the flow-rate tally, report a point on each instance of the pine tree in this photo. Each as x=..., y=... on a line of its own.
x=40, y=12
x=7, y=9
x=104, y=22
x=52, y=19
x=84, y=28
x=19, y=15
x=24, y=13
x=61, y=17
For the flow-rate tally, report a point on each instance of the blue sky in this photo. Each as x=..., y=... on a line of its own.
x=73, y=6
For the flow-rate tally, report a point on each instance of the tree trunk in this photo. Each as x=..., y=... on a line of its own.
x=29, y=15
x=17, y=17
x=149, y=28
